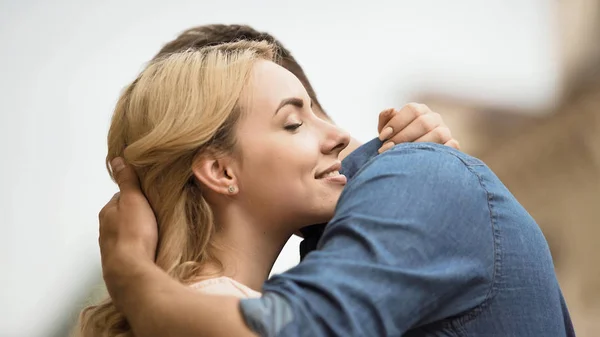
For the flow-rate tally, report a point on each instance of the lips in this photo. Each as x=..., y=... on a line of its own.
x=331, y=171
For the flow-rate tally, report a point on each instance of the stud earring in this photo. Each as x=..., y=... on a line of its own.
x=231, y=189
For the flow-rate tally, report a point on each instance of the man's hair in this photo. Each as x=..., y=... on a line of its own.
x=210, y=35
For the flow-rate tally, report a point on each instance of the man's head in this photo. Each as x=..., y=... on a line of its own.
x=208, y=35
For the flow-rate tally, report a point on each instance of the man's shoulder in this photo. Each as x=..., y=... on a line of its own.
x=416, y=161
x=430, y=152
x=419, y=179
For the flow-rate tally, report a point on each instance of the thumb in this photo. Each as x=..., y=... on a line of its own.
x=125, y=176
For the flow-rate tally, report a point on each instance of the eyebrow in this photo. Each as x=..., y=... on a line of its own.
x=295, y=101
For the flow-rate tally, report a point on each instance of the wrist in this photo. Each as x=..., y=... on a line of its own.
x=124, y=272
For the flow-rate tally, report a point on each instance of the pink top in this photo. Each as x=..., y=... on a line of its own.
x=225, y=286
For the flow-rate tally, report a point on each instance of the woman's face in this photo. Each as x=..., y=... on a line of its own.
x=289, y=167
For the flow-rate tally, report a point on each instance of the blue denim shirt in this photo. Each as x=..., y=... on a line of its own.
x=425, y=241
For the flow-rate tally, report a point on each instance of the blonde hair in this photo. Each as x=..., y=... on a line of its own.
x=180, y=106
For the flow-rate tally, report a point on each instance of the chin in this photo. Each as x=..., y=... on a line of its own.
x=321, y=211
x=325, y=216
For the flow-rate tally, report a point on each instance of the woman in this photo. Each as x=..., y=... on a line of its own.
x=233, y=162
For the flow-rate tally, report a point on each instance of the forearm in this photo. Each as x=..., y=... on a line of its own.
x=157, y=305
x=412, y=248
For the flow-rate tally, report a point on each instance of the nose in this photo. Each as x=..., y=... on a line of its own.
x=335, y=139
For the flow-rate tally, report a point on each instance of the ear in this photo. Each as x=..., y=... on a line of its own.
x=217, y=174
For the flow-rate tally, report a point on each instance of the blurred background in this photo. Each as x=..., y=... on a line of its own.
x=518, y=81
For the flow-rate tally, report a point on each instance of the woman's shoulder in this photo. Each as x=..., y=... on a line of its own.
x=225, y=286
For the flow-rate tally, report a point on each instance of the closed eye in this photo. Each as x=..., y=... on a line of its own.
x=293, y=127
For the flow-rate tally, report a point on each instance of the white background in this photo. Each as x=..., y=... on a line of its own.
x=63, y=64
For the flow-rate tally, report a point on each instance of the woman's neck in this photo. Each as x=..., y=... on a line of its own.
x=246, y=251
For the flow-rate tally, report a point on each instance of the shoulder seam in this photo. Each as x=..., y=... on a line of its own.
x=497, y=251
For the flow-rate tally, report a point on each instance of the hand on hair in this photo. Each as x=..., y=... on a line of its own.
x=413, y=123
x=128, y=228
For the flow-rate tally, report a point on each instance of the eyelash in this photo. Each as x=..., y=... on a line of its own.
x=293, y=127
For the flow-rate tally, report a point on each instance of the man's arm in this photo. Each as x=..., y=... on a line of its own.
x=411, y=243
x=154, y=303
x=174, y=309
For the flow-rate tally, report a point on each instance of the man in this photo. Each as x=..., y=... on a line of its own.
x=425, y=242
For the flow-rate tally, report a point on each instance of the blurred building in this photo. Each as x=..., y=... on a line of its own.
x=551, y=162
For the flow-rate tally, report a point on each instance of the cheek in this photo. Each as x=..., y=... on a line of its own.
x=278, y=176
x=284, y=155
x=279, y=171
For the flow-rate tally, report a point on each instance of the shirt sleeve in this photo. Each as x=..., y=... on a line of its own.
x=350, y=166
x=411, y=243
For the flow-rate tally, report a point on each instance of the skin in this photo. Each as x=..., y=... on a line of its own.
x=271, y=200
x=282, y=149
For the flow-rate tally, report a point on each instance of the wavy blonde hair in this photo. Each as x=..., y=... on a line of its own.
x=179, y=107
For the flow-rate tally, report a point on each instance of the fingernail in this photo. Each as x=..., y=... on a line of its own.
x=386, y=147
x=117, y=164
x=386, y=133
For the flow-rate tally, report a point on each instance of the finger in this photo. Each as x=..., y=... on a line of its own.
x=386, y=146
x=403, y=118
x=125, y=177
x=384, y=118
x=453, y=143
x=103, y=230
x=439, y=135
x=111, y=204
x=419, y=127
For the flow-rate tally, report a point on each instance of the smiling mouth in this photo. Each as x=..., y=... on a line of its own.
x=328, y=174
x=331, y=172
x=333, y=177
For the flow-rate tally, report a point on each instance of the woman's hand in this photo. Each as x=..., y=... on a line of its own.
x=413, y=123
